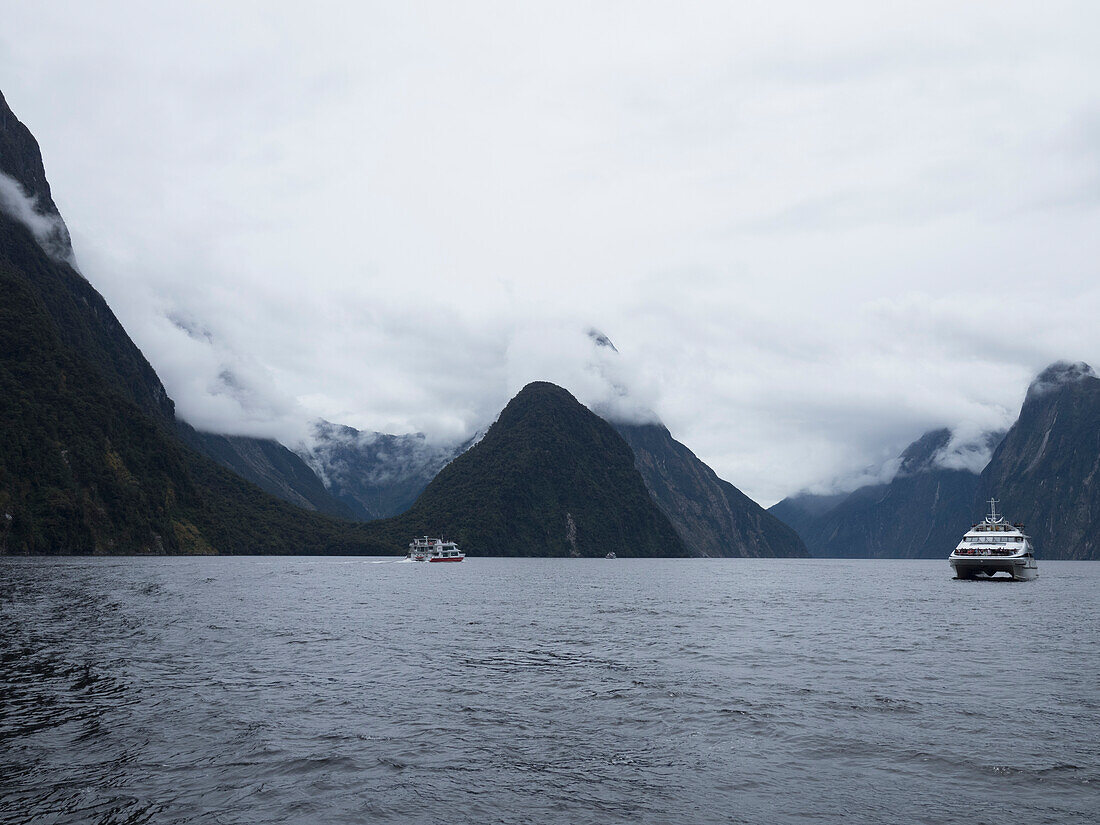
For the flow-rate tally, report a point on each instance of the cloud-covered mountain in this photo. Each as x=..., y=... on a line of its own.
x=90, y=461
x=916, y=514
x=342, y=472
x=375, y=475
x=270, y=466
x=1044, y=471
x=711, y=516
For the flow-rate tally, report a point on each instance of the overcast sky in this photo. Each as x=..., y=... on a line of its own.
x=813, y=230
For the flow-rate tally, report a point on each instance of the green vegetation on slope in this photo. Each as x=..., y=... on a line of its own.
x=712, y=516
x=1046, y=472
x=550, y=478
x=84, y=470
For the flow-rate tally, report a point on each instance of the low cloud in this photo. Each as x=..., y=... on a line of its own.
x=970, y=448
x=220, y=389
x=48, y=229
x=427, y=208
x=585, y=362
x=1059, y=375
x=870, y=476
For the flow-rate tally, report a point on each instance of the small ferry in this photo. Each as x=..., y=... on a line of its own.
x=994, y=546
x=429, y=549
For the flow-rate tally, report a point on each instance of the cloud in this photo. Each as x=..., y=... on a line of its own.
x=49, y=230
x=218, y=388
x=587, y=363
x=1059, y=375
x=813, y=232
x=970, y=448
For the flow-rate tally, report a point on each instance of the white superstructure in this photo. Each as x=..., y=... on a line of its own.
x=429, y=549
x=994, y=546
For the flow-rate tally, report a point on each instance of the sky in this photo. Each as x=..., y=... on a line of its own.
x=812, y=231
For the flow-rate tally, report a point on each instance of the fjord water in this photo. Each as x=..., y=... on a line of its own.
x=229, y=690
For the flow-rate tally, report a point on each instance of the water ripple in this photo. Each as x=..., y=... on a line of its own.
x=518, y=691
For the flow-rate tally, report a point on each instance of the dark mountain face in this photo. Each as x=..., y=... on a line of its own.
x=919, y=514
x=83, y=469
x=90, y=460
x=712, y=516
x=801, y=511
x=1046, y=472
x=82, y=320
x=21, y=159
x=375, y=475
x=270, y=466
x=550, y=478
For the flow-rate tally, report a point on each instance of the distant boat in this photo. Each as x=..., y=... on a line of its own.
x=429, y=549
x=995, y=546
x=611, y=556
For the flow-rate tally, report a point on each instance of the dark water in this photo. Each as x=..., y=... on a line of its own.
x=535, y=691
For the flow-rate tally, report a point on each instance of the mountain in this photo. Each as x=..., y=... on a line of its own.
x=90, y=461
x=921, y=511
x=270, y=466
x=712, y=516
x=1046, y=472
x=345, y=473
x=550, y=478
x=375, y=475
x=94, y=461
x=36, y=243
x=801, y=511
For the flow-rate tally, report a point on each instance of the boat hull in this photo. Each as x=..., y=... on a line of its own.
x=449, y=558
x=987, y=567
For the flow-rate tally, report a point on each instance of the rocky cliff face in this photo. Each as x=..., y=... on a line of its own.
x=36, y=243
x=90, y=461
x=270, y=466
x=1046, y=472
x=375, y=475
x=921, y=511
x=550, y=478
x=712, y=516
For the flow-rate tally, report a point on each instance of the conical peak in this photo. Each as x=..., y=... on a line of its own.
x=1060, y=374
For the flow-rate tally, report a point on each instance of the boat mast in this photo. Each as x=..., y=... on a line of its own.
x=994, y=517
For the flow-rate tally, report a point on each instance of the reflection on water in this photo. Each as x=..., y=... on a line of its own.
x=499, y=690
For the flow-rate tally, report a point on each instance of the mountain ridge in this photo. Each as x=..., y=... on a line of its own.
x=91, y=461
x=550, y=478
x=712, y=516
x=1043, y=470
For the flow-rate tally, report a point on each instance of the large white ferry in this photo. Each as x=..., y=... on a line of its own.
x=429, y=549
x=994, y=546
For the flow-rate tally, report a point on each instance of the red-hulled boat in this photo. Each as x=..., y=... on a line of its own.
x=429, y=549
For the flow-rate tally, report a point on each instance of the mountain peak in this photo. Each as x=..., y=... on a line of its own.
x=601, y=340
x=550, y=478
x=537, y=398
x=921, y=454
x=1060, y=374
x=24, y=191
x=545, y=388
x=21, y=159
